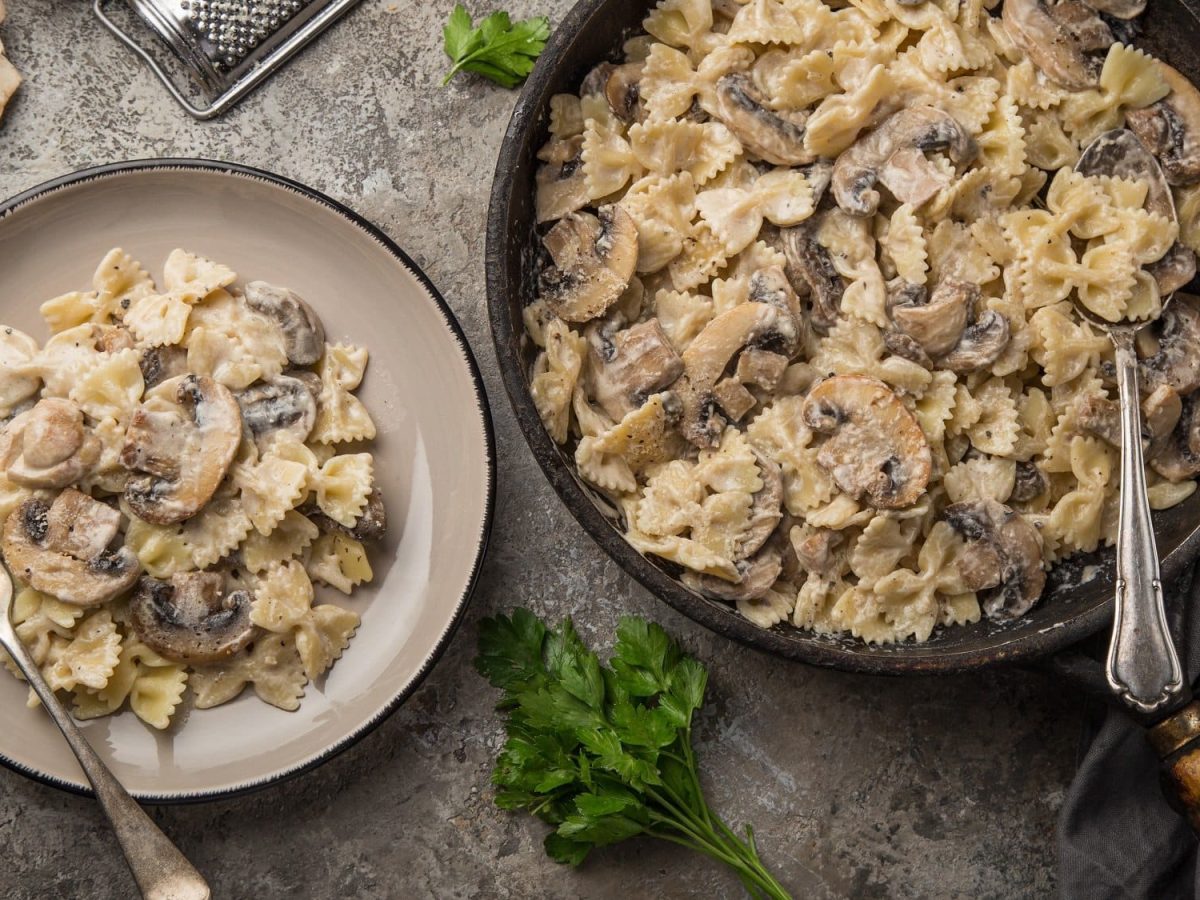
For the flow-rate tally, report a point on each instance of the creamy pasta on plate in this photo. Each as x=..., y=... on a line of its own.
x=809, y=306
x=178, y=467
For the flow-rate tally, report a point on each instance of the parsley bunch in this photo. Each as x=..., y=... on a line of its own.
x=499, y=48
x=605, y=753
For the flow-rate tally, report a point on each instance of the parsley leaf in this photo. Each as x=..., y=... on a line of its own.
x=498, y=49
x=604, y=753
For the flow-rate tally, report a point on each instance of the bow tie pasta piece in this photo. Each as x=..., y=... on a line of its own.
x=339, y=561
x=119, y=281
x=187, y=272
x=153, y=686
x=20, y=376
x=273, y=666
x=667, y=146
x=37, y=618
x=341, y=417
x=289, y=539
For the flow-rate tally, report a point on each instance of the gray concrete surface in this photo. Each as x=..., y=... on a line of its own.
x=857, y=787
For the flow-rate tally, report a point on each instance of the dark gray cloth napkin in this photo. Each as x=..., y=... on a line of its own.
x=1117, y=837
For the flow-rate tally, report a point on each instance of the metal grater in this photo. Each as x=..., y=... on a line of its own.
x=227, y=47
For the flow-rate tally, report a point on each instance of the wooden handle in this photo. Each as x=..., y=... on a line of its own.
x=1177, y=741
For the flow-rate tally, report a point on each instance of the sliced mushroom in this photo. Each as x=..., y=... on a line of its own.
x=183, y=436
x=626, y=367
x=772, y=136
x=1100, y=416
x=1179, y=458
x=1059, y=37
x=594, y=258
x=981, y=344
x=1003, y=558
x=938, y=324
x=761, y=367
x=1176, y=362
x=594, y=82
x=766, y=507
x=561, y=183
x=279, y=405
x=894, y=155
x=191, y=618
x=760, y=325
x=757, y=574
x=876, y=446
x=1120, y=153
x=1170, y=128
x=62, y=550
x=817, y=552
x=112, y=338
x=904, y=345
x=1030, y=482
x=48, y=446
x=1161, y=410
x=622, y=90
x=771, y=285
x=303, y=333
x=371, y=524
x=733, y=398
x=160, y=363
x=811, y=273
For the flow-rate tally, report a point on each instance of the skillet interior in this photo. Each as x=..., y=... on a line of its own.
x=1073, y=606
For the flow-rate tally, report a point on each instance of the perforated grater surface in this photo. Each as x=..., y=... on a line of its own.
x=227, y=47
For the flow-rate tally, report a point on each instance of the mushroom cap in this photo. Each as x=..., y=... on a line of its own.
x=1170, y=128
x=1057, y=36
x=303, y=333
x=938, y=324
x=1176, y=362
x=980, y=345
x=817, y=552
x=49, y=446
x=771, y=136
x=279, y=405
x=894, y=153
x=160, y=363
x=811, y=271
x=627, y=366
x=876, y=446
x=622, y=90
x=1122, y=154
x=757, y=575
x=766, y=507
x=594, y=258
x=1003, y=558
x=183, y=436
x=706, y=357
x=371, y=524
x=60, y=548
x=561, y=182
x=191, y=619
x=1030, y=482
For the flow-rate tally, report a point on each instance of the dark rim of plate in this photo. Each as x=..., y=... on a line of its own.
x=571, y=49
x=109, y=170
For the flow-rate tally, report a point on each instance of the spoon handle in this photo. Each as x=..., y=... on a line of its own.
x=1143, y=668
x=160, y=870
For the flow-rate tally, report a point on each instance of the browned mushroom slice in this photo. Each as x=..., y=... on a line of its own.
x=371, y=524
x=1121, y=154
x=811, y=272
x=762, y=325
x=1059, y=37
x=938, y=324
x=904, y=345
x=279, y=405
x=1179, y=458
x=894, y=154
x=771, y=285
x=160, y=363
x=1176, y=362
x=766, y=507
x=303, y=333
x=817, y=552
x=595, y=81
x=594, y=258
x=1030, y=482
x=183, y=437
x=1170, y=128
x=761, y=367
x=623, y=92
x=1003, y=558
x=733, y=398
x=772, y=136
x=1161, y=410
x=981, y=344
x=626, y=367
x=48, y=446
x=1099, y=415
x=876, y=447
x=561, y=183
x=757, y=574
x=191, y=618
x=62, y=550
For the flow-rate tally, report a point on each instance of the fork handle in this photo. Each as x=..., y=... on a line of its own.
x=1143, y=668
x=160, y=870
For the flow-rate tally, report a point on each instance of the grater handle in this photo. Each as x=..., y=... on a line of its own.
x=247, y=82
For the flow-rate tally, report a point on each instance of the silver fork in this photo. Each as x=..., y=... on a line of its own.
x=160, y=870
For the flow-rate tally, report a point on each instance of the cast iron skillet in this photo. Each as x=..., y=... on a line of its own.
x=591, y=33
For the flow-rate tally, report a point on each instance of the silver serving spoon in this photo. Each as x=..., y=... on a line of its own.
x=160, y=870
x=1143, y=668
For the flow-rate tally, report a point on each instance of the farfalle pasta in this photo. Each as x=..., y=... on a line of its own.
x=175, y=478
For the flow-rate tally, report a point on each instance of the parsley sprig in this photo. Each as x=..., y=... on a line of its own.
x=499, y=48
x=605, y=753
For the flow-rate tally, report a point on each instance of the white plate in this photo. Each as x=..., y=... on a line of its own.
x=435, y=460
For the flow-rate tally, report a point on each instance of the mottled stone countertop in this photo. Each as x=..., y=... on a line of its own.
x=857, y=786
